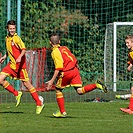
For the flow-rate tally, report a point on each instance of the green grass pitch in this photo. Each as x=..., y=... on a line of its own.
x=83, y=117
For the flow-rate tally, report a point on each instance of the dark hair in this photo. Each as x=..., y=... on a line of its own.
x=54, y=38
x=11, y=22
x=129, y=37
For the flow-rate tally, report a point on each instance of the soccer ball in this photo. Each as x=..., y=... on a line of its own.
x=41, y=99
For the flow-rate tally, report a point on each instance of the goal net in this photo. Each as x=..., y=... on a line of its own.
x=39, y=67
x=115, y=56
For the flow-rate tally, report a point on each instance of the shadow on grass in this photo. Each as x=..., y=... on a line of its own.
x=6, y=112
x=60, y=117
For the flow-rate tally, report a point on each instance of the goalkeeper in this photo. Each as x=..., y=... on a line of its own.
x=129, y=44
x=16, y=67
x=66, y=69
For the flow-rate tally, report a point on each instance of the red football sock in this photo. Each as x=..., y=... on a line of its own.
x=60, y=101
x=10, y=88
x=131, y=102
x=89, y=88
x=35, y=96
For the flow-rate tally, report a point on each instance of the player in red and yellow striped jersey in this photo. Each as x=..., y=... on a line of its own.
x=16, y=68
x=66, y=69
x=129, y=44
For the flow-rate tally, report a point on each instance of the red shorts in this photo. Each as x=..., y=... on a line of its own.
x=20, y=74
x=69, y=78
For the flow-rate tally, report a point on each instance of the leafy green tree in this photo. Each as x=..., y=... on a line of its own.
x=78, y=32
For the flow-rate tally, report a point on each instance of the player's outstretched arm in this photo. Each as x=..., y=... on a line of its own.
x=129, y=67
x=3, y=58
x=50, y=82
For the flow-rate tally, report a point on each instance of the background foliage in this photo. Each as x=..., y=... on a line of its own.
x=79, y=32
x=81, y=24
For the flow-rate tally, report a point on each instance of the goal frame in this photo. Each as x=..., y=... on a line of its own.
x=115, y=24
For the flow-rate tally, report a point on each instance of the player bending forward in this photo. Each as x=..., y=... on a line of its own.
x=129, y=44
x=66, y=69
x=16, y=68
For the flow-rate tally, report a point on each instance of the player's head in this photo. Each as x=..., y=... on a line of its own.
x=11, y=27
x=54, y=39
x=129, y=41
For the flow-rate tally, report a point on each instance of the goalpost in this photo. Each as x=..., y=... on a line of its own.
x=115, y=54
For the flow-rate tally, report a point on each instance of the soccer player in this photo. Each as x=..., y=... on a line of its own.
x=16, y=68
x=129, y=44
x=66, y=69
